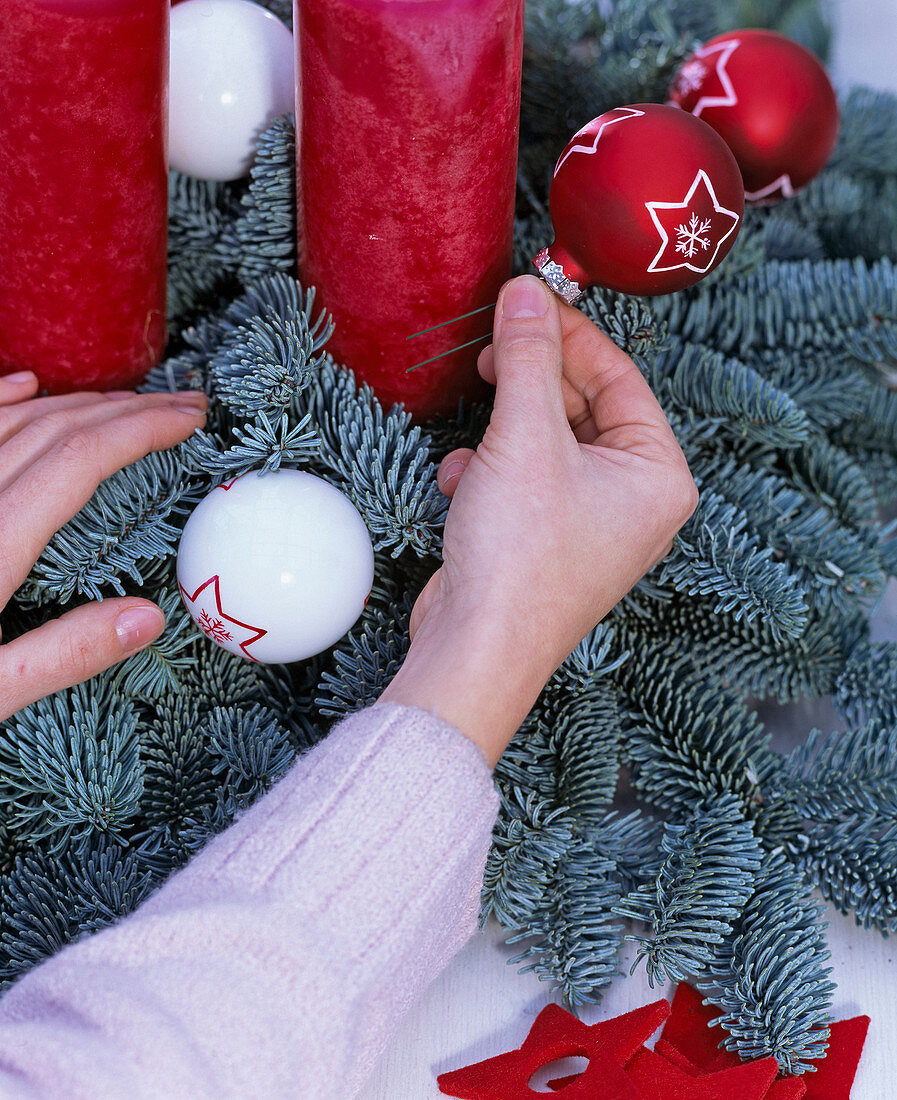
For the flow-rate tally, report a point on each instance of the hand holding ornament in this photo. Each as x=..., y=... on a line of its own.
x=576, y=491
x=54, y=452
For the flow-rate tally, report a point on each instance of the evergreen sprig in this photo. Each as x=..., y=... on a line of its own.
x=705, y=881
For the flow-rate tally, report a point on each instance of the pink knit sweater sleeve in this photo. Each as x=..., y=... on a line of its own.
x=277, y=962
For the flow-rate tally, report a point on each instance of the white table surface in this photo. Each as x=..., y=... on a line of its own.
x=480, y=1006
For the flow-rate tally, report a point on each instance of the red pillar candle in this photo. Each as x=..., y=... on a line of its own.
x=83, y=189
x=408, y=115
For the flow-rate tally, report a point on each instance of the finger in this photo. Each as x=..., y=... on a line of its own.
x=486, y=365
x=452, y=468
x=18, y=386
x=15, y=417
x=74, y=647
x=67, y=476
x=610, y=384
x=579, y=416
x=527, y=356
x=41, y=433
x=424, y=602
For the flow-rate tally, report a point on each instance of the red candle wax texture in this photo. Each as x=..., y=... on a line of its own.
x=406, y=166
x=83, y=189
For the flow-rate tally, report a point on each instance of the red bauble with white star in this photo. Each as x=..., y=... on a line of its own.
x=646, y=199
x=277, y=567
x=770, y=100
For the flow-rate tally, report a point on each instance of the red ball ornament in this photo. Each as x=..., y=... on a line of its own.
x=645, y=199
x=770, y=100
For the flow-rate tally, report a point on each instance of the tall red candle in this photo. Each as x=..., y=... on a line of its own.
x=83, y=189
x=408, y=114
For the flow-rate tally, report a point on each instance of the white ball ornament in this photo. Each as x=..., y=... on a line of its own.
x=275, y=567
x=232, y=73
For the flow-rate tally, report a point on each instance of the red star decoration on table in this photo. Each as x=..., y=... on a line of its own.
x=717, y=89
x=658, y=1079
x=686, y=1063
x=555, y=1034
x=205, y=607
x=691, y=231
x=688, y=1040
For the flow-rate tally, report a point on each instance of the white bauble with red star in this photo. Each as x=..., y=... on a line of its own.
x=275, y=567
x=645, y=199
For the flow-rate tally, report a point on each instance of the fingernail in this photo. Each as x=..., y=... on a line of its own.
x=525, y=296
x=192, y=409
x=138, y=625
x=188, y=395
x=452, y=470
x=20, y=376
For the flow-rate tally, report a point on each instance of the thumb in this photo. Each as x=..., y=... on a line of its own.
x=74, y=647
x=527, y=355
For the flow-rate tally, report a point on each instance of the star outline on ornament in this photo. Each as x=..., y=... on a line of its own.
x=222, y=614
x=630, y=112
x=654, y=207
x=729, y=98
x=782, y=184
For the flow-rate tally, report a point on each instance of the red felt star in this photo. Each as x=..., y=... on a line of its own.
x=205, y=607
x=835, y=1073
x=688, y=1040
x=555, y=1034
x=692, y=230
x=688, y=1031
x=658, y=1079
x=789, y=1088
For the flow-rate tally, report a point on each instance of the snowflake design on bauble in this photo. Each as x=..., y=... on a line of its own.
x=691, y=77
x=214, y=628
x=691, y=236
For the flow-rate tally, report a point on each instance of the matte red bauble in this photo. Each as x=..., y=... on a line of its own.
x=645, y=199
x=770, y=100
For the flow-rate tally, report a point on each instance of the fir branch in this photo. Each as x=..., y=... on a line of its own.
x=179, y=780
x=716, y=386
x=574, y=939
x=378, y=459
x=252, y=748
x=262, y=446
x=689, y=738
x=71, y=767
x=199, y=277
x=854, y=864
x=703, y=885
x=262, y=239
x=365, y=662
x=530, y=838
x=831, y=305
x=866, y=690
x=853, y=773
x=768, y=976
x=867, y=139
x=104, y=885
x=716, y=555
x=37, y=920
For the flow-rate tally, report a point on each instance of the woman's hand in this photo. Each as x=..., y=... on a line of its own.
x=54, y=452
x=576, y=491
